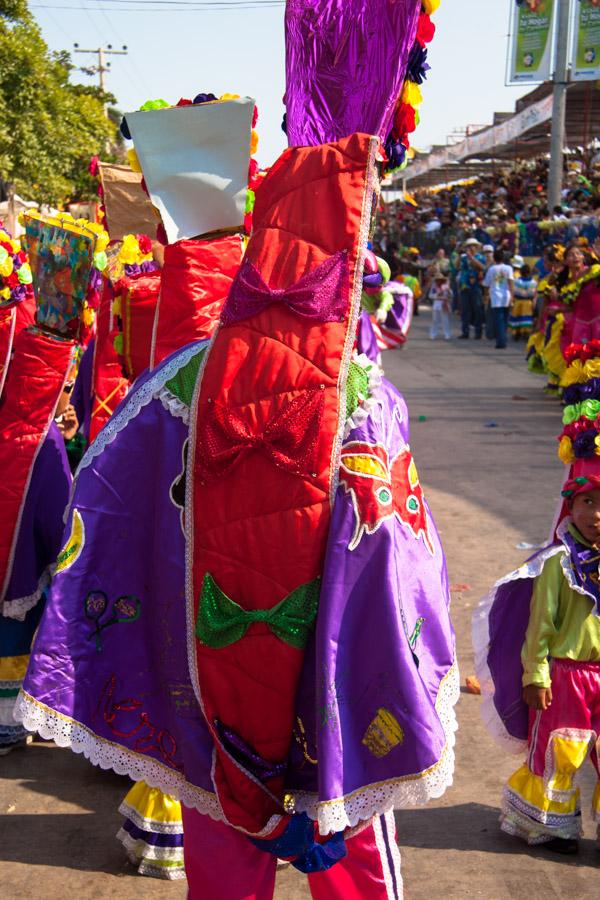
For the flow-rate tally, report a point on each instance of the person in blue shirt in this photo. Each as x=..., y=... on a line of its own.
x=470, y=277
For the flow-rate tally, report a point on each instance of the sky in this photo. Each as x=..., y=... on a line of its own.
x=181, y=52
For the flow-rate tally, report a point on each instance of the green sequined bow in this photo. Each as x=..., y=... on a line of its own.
x=221, y=621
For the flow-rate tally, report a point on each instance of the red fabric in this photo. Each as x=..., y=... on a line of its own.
x=221, y=862
x=7, y=335
x=139, y=298
x=575, y=709
x=35, y=380
x=583, y=324
x=259, y=529
x=196, y=279
x=109, y=385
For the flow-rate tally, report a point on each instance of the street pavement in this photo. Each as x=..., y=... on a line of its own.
x=483, y=435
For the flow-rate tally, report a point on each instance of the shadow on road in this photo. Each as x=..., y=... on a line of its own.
x=474, y=827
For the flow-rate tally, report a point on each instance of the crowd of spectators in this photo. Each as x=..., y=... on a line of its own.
x=507, y=209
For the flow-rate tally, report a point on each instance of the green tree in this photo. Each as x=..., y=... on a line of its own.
x=49, y=128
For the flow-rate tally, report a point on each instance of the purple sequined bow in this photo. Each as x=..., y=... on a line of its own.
x=321, y=295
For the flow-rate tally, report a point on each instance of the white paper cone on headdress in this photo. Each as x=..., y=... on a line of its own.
x=195, y=163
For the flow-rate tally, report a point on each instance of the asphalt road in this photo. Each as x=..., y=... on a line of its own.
x=483, y=436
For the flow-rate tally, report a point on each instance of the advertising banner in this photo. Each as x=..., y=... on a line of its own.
x=586, y=41
x=530, y=47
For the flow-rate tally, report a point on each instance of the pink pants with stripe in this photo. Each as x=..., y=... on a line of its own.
x=222, y=864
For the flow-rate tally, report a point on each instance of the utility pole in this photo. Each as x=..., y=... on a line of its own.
x=559, y=104
x=103, y=67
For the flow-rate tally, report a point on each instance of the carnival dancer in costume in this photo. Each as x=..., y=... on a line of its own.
x=284, y=498
x=520, y=320
x=537, y=641
x=153, y=313
x=36, y=479
x=579, y=289
x=544, y=356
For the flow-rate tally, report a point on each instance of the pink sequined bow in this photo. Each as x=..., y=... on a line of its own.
x=321, y=295
x=289, y=438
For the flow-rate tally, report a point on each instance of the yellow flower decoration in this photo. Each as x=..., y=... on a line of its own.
x=411, y=94
x=5, y=293
x=430, y=6
x=597, y=443
x=253, y=142
x=6, y=268
x=229, y=97
x=16, y=246
x=565, y=450
x=578, y=372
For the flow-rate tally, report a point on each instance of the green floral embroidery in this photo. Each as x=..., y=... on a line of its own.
x=221, y=621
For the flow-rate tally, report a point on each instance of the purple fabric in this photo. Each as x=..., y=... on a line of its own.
x=508, y=622
x=152, y=838
x=400, y=315
x=345, y=65
x=40, y=532
x=321, y=295
x=367, y=339
x=81, y=397
x=136, y=691
x=363, y=660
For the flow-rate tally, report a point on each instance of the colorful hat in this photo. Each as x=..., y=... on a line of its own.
x=67, y=257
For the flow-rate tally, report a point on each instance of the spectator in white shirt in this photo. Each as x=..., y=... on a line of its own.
x=499, y=281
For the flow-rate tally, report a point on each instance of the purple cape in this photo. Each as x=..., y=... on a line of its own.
x=109, y=674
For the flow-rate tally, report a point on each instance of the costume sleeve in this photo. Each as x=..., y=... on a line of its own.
x=542, y=624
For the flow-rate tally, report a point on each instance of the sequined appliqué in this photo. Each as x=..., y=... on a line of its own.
x=221, y=621
x=96, y=605
x=289, y=438
x=383, y=734
x=380, y=491
x=321, y=295
x=72, y=550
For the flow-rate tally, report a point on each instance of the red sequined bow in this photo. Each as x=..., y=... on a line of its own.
x=289, y=438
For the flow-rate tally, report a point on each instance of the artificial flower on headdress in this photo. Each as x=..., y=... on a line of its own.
x=425, y=30
x=430, y=6
x=411, y=94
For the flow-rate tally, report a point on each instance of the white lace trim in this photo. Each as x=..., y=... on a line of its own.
x=138, y=849
x=170, y=873
x=410, y=790
x=364, y=410
x=20, y=606
x=173, y=404
x=146, y=824
x=480, y=634
x=66, y=732
x=135, y=402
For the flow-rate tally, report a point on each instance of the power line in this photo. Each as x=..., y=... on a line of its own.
x=170, y=6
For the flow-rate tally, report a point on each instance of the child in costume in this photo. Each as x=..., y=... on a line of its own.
x=441, y=299
x=520, y=320
x=537, y=642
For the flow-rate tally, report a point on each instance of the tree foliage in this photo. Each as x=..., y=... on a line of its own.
x=49, y=128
